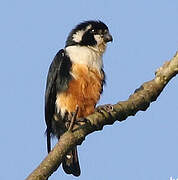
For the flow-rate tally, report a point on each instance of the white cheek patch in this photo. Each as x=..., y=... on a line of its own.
x=98, y=39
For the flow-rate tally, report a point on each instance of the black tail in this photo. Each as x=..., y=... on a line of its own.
x=48, y=141
x=70, y=163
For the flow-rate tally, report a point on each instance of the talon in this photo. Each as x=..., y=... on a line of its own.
x=108, y=108
x=82, y=120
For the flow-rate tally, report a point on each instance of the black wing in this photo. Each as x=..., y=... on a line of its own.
x=57, y=81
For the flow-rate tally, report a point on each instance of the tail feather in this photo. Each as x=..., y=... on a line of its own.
x=70, y=163
x=48, y=140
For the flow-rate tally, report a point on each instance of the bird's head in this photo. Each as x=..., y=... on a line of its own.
x=93, y=34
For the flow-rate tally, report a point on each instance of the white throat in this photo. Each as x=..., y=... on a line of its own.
x=85, y=55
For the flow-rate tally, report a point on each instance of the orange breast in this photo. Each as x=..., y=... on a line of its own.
x=84, y=91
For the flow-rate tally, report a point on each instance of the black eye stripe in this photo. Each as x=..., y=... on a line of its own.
x=88, y=39
x=98, y=31
x=92, y=31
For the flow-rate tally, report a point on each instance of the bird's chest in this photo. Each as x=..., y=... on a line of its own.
x=83, y=90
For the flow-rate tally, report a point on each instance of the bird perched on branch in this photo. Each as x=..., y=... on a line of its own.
x=75, y=80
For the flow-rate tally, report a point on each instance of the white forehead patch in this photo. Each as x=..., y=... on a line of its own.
x=77, y=37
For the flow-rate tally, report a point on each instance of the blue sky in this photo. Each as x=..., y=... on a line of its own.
x=145, y=35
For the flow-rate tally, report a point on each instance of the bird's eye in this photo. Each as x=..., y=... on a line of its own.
x=92, y=31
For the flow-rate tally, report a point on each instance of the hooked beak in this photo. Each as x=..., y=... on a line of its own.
x=108, y=37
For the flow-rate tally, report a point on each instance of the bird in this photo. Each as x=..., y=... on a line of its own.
x=75, y=79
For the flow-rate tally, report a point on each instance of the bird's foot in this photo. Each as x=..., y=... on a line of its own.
x=108, y=108
x=82, y=120
x=73, y=119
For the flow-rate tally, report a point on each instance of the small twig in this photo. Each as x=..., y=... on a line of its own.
x=73, y=118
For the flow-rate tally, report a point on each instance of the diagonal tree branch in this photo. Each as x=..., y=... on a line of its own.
x=139, y=101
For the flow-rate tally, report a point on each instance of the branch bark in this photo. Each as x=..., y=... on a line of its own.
x=139, y=101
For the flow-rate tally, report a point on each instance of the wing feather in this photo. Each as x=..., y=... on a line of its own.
x=57, y=81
